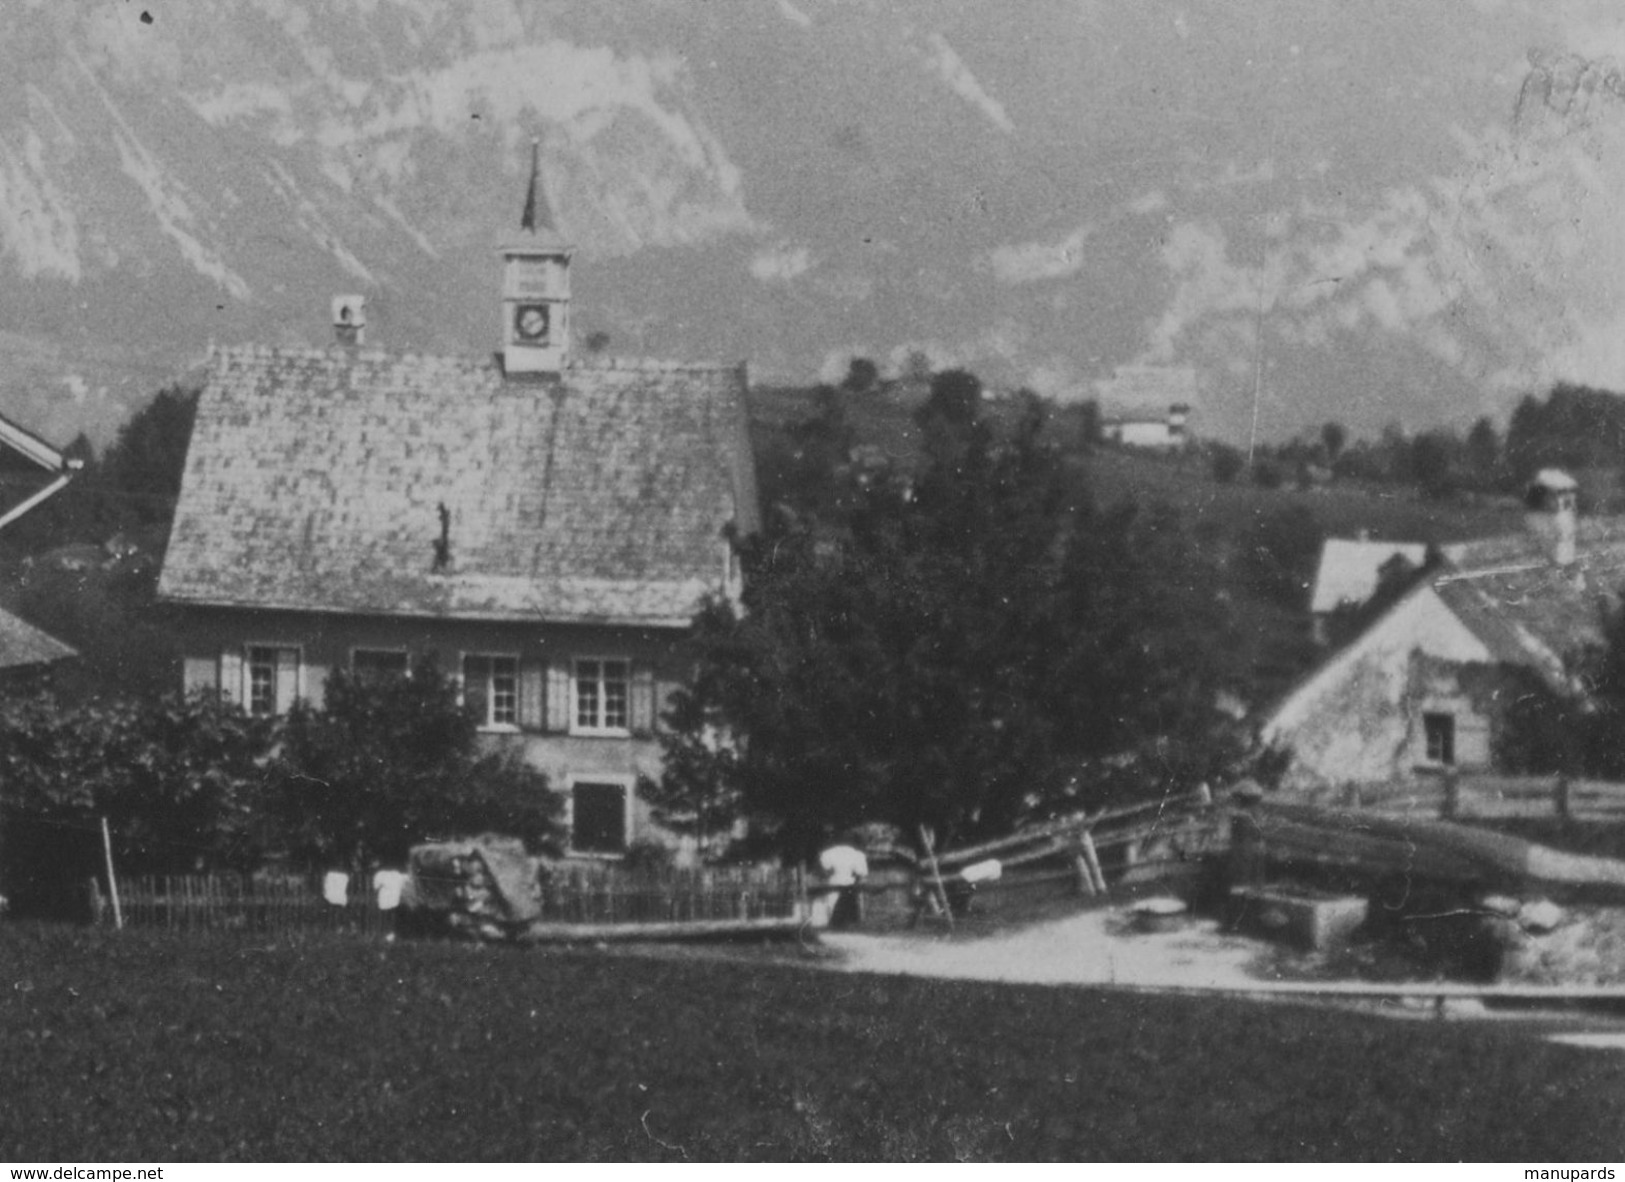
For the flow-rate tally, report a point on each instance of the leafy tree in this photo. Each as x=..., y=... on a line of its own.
x=392, y=761
x=145, y=464
x=1574, y=427
x=1482, y=453
x=178, y=780
x=1278, y=554
x=1332, y=437
x=956, y=653
x=698, y=793
x=1227, y=463
x=1433, y=461
x=862, y=375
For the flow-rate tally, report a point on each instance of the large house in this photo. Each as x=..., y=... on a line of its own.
x=1427, y=686
x=542, y=525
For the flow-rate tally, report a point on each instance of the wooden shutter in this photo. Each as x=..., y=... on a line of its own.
x=641, y=709
x=532, y=695
x=560, y=701
x=231, y=676
x=287, y=678
x=1473, y=748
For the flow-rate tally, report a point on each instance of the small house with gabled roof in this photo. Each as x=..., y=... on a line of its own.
x=1427, y=686
x=542, y=525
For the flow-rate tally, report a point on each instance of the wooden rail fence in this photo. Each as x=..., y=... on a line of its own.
x=1482, y=797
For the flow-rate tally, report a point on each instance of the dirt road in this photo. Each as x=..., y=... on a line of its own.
x=1092, y=948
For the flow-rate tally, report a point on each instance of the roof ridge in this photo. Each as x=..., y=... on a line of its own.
x=376, y=355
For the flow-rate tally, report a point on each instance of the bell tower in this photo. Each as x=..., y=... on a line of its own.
x=536, y=288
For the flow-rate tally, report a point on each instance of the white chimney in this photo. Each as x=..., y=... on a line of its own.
x=350, y=319
x=1551, y=504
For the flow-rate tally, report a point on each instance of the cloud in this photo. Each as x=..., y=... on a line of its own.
x=1034, y=261
x=794, y=15
x=1149, y=203
x=780, y=264
x=941, y=59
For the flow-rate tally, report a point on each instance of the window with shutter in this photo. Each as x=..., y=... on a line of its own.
x=532, y=695
x=558, y=705
x=603, y=696
x=491, y=688
x=269, y=676
x=643, y=699
x=231, y=675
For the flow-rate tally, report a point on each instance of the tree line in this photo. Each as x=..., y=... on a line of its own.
x=1575, y=427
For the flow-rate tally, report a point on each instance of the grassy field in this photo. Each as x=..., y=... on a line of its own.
x=135, y=1047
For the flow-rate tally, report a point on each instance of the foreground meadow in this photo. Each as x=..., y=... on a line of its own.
x=139, y=1047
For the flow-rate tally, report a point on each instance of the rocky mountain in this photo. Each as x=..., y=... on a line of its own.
x=1372, y=212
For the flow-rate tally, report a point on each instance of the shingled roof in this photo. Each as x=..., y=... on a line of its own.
x=1536, y=614
x=314, y=479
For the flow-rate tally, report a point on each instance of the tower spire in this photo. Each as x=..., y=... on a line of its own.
x=528, y=220
x=536, y=286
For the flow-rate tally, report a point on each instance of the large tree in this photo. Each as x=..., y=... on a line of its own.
x=960, y=650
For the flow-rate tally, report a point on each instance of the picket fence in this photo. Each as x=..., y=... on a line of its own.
x=231, y=902
x=605, y=893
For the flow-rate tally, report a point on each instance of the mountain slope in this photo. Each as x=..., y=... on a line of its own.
x=1414, y=207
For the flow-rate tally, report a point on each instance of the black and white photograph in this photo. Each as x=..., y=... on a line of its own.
x=696, y=581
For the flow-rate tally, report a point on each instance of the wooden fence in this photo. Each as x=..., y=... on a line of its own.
x=608, y=893
x=596, y=894
x=229, y=902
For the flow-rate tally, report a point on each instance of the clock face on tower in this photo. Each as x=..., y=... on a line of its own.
x=530, y=323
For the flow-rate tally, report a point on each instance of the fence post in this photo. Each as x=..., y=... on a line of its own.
x=112, y=878
x=1450, y=807
x=1560, y=797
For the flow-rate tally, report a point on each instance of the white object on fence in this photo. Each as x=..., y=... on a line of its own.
x=989, y=871
x=843, y=865
x=386, y=886
x=336, y=887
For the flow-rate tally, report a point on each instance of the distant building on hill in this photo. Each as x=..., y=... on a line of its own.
x=1147, y=406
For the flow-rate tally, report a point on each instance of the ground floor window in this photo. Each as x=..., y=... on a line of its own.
x=273, y=679
x=1440, y=733
x=491, y=687
x=598, y=817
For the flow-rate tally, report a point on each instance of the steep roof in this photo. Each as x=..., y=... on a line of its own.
x=1349, y=570
x=22, y=644
x=1535, y=614
x=314, y=479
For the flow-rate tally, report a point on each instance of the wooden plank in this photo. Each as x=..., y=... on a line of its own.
x=544, y=932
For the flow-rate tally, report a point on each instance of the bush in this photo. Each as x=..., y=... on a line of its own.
x=393, y=761
x=1227, y=463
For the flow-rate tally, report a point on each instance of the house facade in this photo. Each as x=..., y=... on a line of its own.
x=541, y=526
x=1428, y=686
